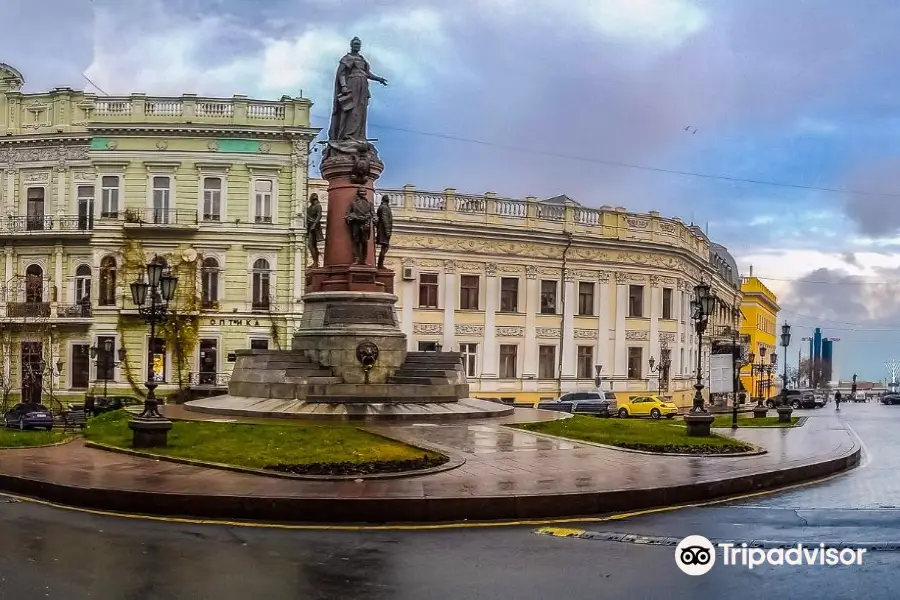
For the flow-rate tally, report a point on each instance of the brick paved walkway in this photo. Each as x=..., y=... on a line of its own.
x=507, y=473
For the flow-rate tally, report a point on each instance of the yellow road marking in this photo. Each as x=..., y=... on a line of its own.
x=423, y=527
x=559, y=531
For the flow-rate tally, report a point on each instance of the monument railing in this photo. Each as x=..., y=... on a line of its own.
x=490, y=209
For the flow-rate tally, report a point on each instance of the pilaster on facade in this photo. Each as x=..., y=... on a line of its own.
x=568, y=349
x=451, y=287
x=532, y=308
x=490, y=367
x=620, y=355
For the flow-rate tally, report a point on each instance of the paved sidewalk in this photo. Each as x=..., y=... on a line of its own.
x=507, y=474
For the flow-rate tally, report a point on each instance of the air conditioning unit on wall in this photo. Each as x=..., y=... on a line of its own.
x=409, y=274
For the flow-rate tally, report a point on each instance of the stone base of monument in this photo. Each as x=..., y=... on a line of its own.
x=359, y=278
x=349, y=361
x=760, y=412
x=698, y=424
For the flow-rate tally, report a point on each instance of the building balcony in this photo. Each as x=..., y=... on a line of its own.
x=51, y=312
x=46, y=226
x=157, y=219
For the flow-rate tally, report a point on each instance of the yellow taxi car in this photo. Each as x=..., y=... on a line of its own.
x=647, y=406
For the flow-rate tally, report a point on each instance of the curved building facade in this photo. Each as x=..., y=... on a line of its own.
x=540, y=295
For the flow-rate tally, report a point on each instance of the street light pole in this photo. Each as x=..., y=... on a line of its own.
x=699, y=420
x=784, y=411
x=152, y=298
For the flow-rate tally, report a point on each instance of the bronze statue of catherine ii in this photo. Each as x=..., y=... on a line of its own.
x=351, y=96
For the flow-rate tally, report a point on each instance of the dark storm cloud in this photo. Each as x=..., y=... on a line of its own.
x=876, y=214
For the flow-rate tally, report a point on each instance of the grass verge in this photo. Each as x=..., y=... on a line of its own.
x=650, y=436
x=725, y=421
x=298, y=449
x=13, y=438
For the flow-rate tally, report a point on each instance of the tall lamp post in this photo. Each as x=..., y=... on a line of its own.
x=784, y=411
x=107, y=361
x=698, y=421
x=739, y=363
x=152, y=297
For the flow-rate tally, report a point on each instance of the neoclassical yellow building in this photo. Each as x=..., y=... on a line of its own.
x=760, y=324
x=92, y=188
x=538, y=294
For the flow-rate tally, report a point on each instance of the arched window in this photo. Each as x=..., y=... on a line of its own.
x=261, y=284
x=209, y=283
x=34, y=284
x=107, y=282
x=83, y=284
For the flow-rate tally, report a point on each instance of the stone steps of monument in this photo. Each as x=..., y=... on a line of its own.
x=403, y=371
x=392, y=390
x=416, y=380
x=310, y=371
x=380, y=399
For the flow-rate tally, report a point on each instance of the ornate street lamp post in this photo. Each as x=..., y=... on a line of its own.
x=784, y=411
x=107, y=362
x=152, y=297
x=699, y=420
x=739, y=363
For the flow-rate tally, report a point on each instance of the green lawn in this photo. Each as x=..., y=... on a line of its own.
x=653, y=436
x=295, y=448
x=725, y=421
x=13, y=438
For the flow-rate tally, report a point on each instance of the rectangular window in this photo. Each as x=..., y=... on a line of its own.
x=585, y=362
x=34, y=209
x=428, y=290
x=586, y=298
x=635, y=301
x=106, y=366
x=509, y=294
x=212, y=198
x=262, y=190
x=84, y=200
x=469, y=358
x=667, y=303
x=635, y=362
x=428, y=346
x=548, y=297
x=109, y=197
x=546, y=362
x=259, y=344
x=162, y=196
x=468, y=292
x=508, y=361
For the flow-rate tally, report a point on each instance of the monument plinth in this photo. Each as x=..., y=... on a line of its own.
x=349, y=358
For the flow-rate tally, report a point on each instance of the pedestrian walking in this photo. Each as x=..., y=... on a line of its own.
x=837, y=400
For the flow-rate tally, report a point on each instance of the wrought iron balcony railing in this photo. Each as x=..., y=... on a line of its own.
x=14, y=224
x=161, y=217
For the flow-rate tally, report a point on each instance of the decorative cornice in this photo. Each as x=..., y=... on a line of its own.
x=470, y=330
x=428, y=328
x=637, y=335
x=585, y=334
x=548, y=332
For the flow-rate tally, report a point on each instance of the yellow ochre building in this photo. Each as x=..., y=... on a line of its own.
x=760, y=324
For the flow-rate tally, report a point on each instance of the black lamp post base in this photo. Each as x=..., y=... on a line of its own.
x=150, y=433
x=784, y=414
x=698, y=424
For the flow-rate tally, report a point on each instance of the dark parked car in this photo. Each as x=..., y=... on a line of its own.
x=29, y=416
x=792, y=396
x=600, y=404
x=103, y=404
x=891, y=398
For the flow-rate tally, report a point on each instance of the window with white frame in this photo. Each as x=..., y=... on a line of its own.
x=83, y=284
x=162, y=196
x=209, y=283
x=84, y=197
x=469, y=354
x=109, y=196
x=262, y=202
x=212, y=198
x=261, y=284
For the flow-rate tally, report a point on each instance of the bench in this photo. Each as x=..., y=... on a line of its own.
x=72, y=419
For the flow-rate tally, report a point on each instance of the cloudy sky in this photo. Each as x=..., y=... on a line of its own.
x=794, y=103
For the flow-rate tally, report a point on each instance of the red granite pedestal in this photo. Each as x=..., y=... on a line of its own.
x=338, y=273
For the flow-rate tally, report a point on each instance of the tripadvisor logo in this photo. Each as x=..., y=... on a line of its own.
x=696, y=555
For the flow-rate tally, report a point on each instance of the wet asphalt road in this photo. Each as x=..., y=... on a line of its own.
x=52, y=553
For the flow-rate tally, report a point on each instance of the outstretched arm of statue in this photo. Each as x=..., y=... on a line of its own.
x=377, y=78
